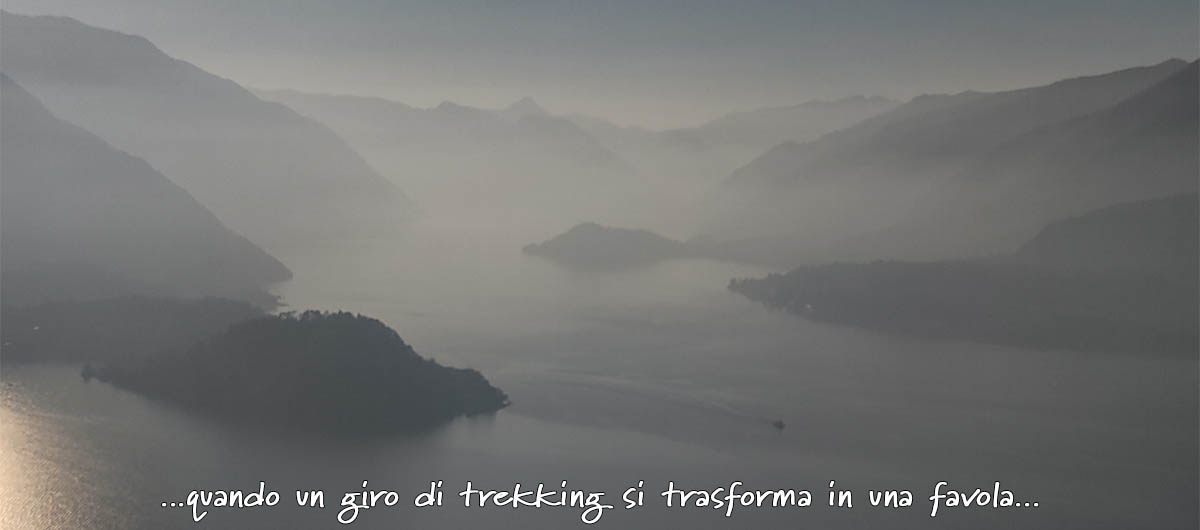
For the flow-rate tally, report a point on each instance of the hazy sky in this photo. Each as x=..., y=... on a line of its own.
x=648, y=62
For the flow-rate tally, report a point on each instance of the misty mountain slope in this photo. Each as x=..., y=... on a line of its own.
x=680, y=158
x=1143, y=147
x=804, y=122
x=1119, y=279
x=520, y=162
x=933, y=135
x=80, y=219
x=1160, y=236
x=709, y=152
x=779, y=163
x=631, y=138
x=563, y=138
x=971, y=174
x=451, y=128
x=523, y=107
x=260, y=167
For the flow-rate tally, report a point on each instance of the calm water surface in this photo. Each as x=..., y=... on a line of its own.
x=652, y=374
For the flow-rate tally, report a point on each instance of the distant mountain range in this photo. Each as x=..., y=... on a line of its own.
x=263, y=169
x=711, y=150
x=456, y=158
x=938, y=135
x=769, y=126
x=80, y=219
x=971, y=173
x=941, y=176
x=376, y=123
x=706, y=153
x=526, y=157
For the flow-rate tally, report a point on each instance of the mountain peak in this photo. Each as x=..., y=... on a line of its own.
x=526, y=106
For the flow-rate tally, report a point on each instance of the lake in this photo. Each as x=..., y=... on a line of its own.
x=653, y=374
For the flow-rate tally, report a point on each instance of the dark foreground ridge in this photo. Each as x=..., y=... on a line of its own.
x=329, y=372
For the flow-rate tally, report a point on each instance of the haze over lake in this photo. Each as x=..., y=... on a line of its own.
x=361, y=248
x=654, y=374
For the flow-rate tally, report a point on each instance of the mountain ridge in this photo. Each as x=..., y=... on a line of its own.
x=972, y=173
x=83, y=219
x=272, y=160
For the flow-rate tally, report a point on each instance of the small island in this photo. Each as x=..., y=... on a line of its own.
x=592, y=246
x=595, y=247
x=337, y=373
